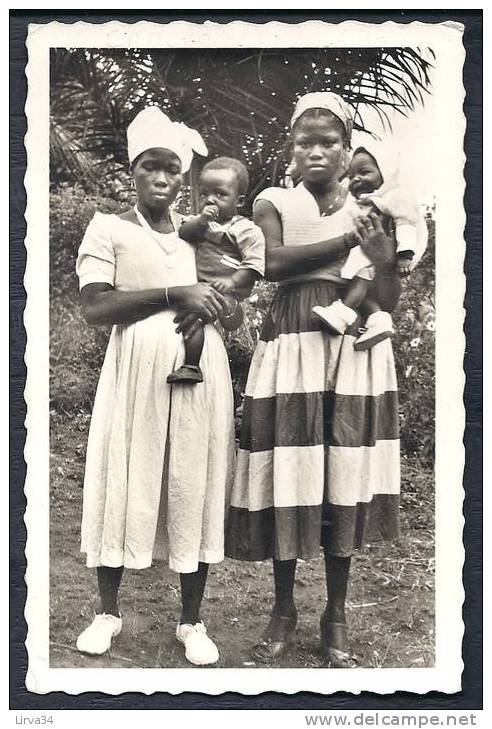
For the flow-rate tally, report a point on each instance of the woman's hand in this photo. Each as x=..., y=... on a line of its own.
x=188, y=323
x=370, y=235
x=200, y=299
x=199, y=303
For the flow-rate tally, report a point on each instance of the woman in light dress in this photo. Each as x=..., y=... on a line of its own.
x=159, y=459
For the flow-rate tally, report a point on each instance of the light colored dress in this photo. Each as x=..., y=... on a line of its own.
x=319, y=459
x=160, y=458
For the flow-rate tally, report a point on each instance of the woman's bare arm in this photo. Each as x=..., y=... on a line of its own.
x=283, y=261
x=102, y=304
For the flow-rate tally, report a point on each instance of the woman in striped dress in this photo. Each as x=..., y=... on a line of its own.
x=318, y=461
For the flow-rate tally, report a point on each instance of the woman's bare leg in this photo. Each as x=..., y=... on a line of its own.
x=109, y=579
x=334, y=640
x=192, y=589
x=280, y=631
x=337, y=577
x=284, y=573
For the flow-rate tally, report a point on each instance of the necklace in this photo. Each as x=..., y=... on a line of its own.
x=145, y=223
x=167, y=242
x=333, y=203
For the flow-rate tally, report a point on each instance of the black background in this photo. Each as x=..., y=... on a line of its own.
x=470, y=697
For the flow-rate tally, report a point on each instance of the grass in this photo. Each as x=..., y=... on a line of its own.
x=390, y=602
x=391, y=598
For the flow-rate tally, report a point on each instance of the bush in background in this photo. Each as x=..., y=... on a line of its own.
x=414, y=347
x=77, y=350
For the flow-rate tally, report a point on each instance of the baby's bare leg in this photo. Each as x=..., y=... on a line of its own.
x=356, y=292
x=193, y=348
x=386, y=288
x=369, y=306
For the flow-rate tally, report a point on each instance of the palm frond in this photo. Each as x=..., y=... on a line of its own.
x=68, y=156
x=240, y=100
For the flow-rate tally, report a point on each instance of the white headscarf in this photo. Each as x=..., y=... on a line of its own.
x=329, y=101
x=152, y=128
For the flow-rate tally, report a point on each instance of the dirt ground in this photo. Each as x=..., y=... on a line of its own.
x=390, y=603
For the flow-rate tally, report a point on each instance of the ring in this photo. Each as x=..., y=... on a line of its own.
x=199, y=318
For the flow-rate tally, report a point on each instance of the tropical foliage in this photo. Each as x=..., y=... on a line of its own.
x=240, y=100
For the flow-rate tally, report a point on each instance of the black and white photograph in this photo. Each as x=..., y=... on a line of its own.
x=244, y=357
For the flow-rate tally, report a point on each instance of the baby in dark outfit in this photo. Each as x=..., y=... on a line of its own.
x=230, y=251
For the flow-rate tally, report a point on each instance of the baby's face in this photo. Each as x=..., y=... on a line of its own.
x=364, y=175
x=220, y=188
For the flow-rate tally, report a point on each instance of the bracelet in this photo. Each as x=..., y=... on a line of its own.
x=166, y=295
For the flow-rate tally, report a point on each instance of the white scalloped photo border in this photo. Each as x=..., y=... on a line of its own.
x=446, y=41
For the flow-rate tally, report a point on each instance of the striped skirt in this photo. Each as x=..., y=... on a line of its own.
x=319, y=458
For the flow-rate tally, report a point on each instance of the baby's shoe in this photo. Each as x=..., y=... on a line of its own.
x=379, y=326
x=199, y=648
x=336, y=317
x=96, y=639
x=190, y=374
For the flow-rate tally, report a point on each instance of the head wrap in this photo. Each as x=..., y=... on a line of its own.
x=152, y=128
x=329, y=101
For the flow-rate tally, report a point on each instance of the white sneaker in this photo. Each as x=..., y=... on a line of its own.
x=199, y=649
x=379, y=326
x=337, y=317
x=96, y=639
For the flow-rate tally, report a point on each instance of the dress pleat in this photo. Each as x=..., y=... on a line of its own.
x=318, y=462
x=160, y=458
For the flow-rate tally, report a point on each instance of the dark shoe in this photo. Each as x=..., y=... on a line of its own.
x=278, y=637
x=186, y=373
x=333, y=636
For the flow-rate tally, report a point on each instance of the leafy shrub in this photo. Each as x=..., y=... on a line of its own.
x=77, y=350
x=414, y=321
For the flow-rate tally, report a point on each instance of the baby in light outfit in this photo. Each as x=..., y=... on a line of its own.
x=373, y=177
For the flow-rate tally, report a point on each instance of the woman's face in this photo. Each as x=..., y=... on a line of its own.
x=317, y=148
x=157, y=176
